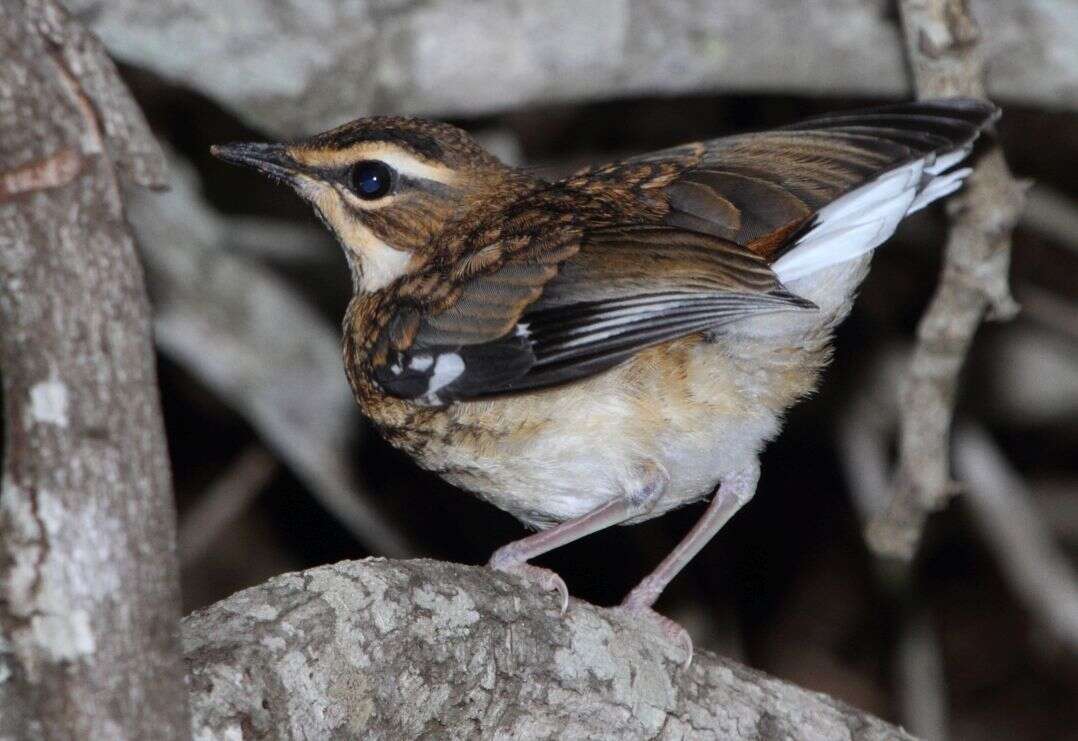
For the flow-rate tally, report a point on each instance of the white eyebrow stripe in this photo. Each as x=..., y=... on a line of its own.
x=416, y=168
x=393, y=155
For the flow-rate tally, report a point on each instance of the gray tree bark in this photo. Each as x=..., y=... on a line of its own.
x=89, y=597
x=382, y=649
x=946, y=48
x=293, y=66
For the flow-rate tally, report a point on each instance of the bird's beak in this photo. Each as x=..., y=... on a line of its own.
x=269, y=159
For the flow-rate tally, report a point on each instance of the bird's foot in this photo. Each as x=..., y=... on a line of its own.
x=673, y=632
x=548, y=580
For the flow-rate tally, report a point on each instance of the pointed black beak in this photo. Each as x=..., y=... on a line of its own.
x=269, y=159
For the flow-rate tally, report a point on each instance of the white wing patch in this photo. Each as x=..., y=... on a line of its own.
x=447, y=368
x=421, y=362
x=865, y=218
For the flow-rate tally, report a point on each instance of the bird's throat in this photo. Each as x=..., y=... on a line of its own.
x=375, y=263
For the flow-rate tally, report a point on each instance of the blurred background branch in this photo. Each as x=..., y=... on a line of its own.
x=1003, y=510
x=287, y=69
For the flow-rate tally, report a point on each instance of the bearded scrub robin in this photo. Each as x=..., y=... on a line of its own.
x=601, y=349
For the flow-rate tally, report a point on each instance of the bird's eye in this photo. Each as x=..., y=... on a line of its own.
x=371, y=179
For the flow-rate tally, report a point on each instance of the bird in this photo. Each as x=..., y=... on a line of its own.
x=600, y=349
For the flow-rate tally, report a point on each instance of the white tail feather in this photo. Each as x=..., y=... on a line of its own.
x=947, y=161
x=865, y=218
x=939, y=187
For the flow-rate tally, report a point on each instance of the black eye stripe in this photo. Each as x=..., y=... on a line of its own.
x=371, y=179
x=425, y=185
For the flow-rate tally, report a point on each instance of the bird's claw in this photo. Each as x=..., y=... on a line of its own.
x=545, y=578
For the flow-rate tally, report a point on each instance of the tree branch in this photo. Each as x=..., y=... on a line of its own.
x=946, y=54
x=411, y=649
x=1002, y=506
x=224, y=501
x=89, y=596
x=288, y=70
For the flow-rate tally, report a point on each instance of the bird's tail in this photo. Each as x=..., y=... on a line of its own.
x=939, y=135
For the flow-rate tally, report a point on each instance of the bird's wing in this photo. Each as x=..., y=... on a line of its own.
x=552, y=292
x=551, y=301
x=827, y=189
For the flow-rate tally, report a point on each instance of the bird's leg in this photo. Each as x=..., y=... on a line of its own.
x=640, y=496
x=732, y=494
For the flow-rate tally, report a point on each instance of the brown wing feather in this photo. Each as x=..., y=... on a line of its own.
x=618, y=261
x=552, y=301
x=760, y=189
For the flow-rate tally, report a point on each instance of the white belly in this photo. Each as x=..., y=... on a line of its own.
x=702, y=417
x=702, y=410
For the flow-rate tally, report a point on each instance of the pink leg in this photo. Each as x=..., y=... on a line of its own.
x=733, y=493
x=640, y=497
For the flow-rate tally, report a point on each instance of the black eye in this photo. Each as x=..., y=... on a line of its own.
x=371, y=179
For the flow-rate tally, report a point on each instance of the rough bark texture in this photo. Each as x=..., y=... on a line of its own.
x=422, y=649
x=89, y=600
x=291, y=66
x=946, y=53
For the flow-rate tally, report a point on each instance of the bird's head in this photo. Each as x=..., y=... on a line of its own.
x=386, y=186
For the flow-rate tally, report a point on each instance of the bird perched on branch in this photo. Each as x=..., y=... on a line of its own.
x=599, y=350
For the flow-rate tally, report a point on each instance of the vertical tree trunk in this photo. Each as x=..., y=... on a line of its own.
x=89, y=597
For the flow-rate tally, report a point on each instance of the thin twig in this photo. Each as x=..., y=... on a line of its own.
x=1032, y=376
x=1049, y=309
x=1053, y=214
x=224, y=501
x=943, y=45
x=864, y=433
x=1057, y=506
x=921, y=681
x=1003, y=510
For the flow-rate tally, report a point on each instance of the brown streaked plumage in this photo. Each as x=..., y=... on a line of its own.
x=601, y=349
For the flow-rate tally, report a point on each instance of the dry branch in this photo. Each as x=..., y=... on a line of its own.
x=422, y=649
x=288, y=68
x=258, y=345
x=224, y=501
x=946, y=52
x=89, y=596
x=920, y=678
x=864, y=432
x=1002, y=505
x=1053, y=214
